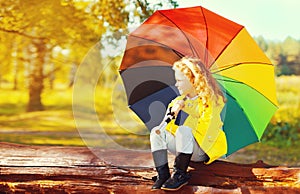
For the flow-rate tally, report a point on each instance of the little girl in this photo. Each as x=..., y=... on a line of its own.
x=192, y=127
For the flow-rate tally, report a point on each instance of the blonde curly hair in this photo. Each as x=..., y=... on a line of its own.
x=201, y=79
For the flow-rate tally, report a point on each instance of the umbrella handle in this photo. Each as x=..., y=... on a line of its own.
x=177, y=107
x=170, y=116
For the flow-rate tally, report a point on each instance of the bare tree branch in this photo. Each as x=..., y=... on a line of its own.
x=22, y=34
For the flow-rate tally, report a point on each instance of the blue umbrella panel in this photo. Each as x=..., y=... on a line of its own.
x=149, y=90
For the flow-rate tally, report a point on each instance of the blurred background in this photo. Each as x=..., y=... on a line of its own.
x=44, y=43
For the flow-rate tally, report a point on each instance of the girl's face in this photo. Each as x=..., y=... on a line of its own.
x=183, y=84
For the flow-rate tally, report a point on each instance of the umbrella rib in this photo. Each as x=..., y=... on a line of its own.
x=242, y=110
x=239, y=82
x=226, y=67
x=176, y=52
x=233, y=37
x=206, y=44
x=229, y=80
x=190, y=44
x=228, y=93
x=237, y=102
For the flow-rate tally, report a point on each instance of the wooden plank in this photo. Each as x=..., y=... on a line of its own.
x=48, y=169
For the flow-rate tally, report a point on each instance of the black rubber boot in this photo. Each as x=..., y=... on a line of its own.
x=180, y=176
x=163, y=175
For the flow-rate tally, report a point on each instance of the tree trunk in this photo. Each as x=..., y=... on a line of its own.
x=36, y=78
x=16, y=71
x=52, y=169
x=15, y=62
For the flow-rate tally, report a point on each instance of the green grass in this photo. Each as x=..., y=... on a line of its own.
x=52, y=120
x=56, y=125
x=288, y=95
x=284, y=128
x=42, y=139
x=269, y=154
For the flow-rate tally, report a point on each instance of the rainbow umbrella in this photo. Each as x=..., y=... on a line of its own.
x=238, y=64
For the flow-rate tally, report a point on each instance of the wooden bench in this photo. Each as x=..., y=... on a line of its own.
x=54, y=169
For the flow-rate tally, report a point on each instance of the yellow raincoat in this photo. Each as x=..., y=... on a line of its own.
x=206, y=126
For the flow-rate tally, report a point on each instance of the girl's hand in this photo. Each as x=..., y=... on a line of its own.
x=178, y=105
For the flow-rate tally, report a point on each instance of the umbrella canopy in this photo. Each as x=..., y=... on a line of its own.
x=238, y=64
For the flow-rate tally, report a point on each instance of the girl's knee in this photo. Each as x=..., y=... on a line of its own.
x=154, y=136
x=153, y=131
x=157, y=140
x=184, y=131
